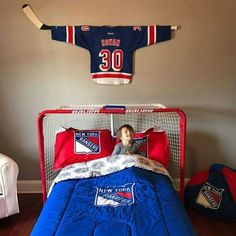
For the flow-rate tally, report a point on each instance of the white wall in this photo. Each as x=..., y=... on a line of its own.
x=195, y=71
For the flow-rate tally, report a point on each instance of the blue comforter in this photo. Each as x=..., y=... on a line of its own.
x=130, y=202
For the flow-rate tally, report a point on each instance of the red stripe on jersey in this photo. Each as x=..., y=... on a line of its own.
x=151, y=34
x=110, y=75
x=70, y=34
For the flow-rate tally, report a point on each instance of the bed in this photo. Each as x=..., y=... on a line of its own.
x=88, y=191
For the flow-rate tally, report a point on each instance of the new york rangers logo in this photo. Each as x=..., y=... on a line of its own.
x=210, y=196
x=143, y=145
x=137, y=28
x=85, y=28
x=115, y=195
x=87, y=142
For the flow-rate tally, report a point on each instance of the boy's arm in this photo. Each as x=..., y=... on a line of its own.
x=116, y=150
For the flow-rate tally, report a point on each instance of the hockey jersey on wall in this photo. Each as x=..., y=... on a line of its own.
x=111, y=48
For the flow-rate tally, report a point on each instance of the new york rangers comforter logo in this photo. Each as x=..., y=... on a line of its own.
x=115, y=195
x=87, y=142
x=210, y=196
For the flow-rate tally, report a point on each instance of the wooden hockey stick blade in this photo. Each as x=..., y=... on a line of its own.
x=34, y=19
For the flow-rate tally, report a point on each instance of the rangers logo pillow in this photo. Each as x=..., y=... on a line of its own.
x=213, y=192
x=143, y=145
x=74, y=146
x=153, y=144
x=142, y=139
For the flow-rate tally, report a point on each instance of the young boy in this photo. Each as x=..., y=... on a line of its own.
x=127, y=146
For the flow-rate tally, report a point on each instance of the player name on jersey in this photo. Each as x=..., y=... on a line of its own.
x=111, y=48
x=110, y=42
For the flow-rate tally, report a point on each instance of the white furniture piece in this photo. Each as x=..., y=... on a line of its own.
x=8, y=186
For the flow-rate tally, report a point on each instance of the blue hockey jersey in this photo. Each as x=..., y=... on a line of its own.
x=111, y=47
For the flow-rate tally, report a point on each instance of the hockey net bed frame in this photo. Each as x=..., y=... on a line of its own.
x=141, y=117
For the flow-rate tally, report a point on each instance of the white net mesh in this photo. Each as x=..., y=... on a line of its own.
x=140, y=117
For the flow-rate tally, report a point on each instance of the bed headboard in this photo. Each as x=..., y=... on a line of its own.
x=140, y=117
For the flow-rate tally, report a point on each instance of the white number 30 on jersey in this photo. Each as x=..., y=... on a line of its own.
x=112, y=60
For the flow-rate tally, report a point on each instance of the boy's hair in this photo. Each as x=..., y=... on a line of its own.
x=128, y=127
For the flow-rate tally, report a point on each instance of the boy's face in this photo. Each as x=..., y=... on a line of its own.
x=126, y=135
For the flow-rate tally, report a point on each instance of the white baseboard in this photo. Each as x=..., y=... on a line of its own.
x=34, y=186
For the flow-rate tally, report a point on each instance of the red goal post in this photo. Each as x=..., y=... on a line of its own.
x=140, y=117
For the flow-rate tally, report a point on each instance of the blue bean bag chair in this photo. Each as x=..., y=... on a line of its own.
x=213, y=193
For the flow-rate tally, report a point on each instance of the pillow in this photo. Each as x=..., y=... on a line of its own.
x=158, y=147
x=153, y=144
x=72, y=146
x=212, y=192
x=142, y=139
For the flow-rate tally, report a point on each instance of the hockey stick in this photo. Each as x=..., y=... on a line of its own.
x=39, y=24
x=34, y=19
